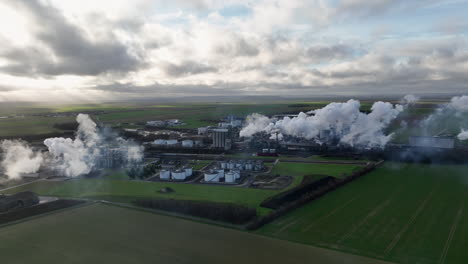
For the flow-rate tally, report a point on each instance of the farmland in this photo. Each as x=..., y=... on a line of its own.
x=100, y=233
x=402, y=213
x=302, y=169
x=35, y=120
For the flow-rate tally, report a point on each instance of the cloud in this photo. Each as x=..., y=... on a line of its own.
x=187, y=68
x=65, y=48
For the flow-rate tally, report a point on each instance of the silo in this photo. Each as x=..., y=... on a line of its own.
x=164, y=174
x=249, y=166
x=188, y=171
x=178, y=175
x=211, y=176
x=230, y=177
x=239, y=165
x=220, y=173
x=171, y=142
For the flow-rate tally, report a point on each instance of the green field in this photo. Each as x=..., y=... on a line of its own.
x=125, y=191
x=402, y=213
x=101, y=233
x=296, y=169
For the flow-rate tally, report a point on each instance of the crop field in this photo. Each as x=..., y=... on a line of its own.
x=402, y=213
x=100, y=233
x=301, y=169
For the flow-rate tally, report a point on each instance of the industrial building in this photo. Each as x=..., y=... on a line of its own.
x=112, y=157
x=432, y=142
x=221, y=138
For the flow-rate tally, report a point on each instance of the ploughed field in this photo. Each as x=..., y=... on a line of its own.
x=399, y=212
x=100, y=233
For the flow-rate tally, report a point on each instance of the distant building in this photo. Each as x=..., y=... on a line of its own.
x=156, y=123
x=432, y=142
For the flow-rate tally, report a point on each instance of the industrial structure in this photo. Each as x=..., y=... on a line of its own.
x=221, y=138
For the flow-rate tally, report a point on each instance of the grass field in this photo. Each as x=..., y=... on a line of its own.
x=125, y=191
x=101, y=233
x=300, y=169
x=402, y=213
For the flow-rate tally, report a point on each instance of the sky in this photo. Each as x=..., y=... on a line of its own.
x=89, y=50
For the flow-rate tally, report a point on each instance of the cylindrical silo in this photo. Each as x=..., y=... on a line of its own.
x=178, y=175
x=230, y=177
x=164, y=174
x=188, y=171
x=211, y=176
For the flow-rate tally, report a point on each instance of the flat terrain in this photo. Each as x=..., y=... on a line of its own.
x=401, y=213
x=302, y=169
x=18, y=120
x=108, y=234
x=125, y=191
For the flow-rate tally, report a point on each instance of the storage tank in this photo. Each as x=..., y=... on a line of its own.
x=231, y=165
x=164, y=174
x=178, y=175
x=230, y=177
x=188, y=171
x=223, y=165
x=220, y=173
x=211, y=176
x=171, y=142
x=239, y=166
x=160, y=142
x=249, y=166
x=187, y=143
x=236, y=174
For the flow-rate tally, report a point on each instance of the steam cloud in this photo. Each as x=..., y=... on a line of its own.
x=18, y=158
x=70, y=157
x=344, y=121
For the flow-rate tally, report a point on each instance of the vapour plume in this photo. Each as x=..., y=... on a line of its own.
x=463, y=135
x=342, y=121
x=79, y=156
x=448, y=118
x=18, y=158
x=409, y=99
x=69, y=157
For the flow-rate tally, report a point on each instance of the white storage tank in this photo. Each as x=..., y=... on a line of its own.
x=178, y=175
x=164, y=174
x=249, y=166
x=211, y=176
x=220, y=173
x=223, y=165
x=236, y=174
x=171, y=142
x=188, y=171
x=187, y=143
x=230, y=177
x=231, y=165
x=160, y=142
x=239, y=166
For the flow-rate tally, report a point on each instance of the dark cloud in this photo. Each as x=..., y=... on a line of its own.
x=237, y=47
x=187, y=68
x=324, y=53
x=67, y=49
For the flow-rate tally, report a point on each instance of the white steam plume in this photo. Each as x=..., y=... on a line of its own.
x=18, y=158
x=70, y=157
x=409, y=99
x=463, y=135
x=341, y=120
x=79, y=156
